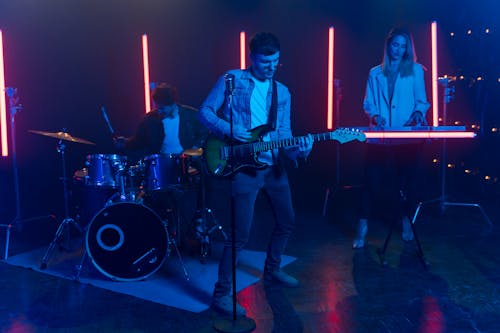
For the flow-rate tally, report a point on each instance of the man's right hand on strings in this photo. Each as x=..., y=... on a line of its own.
x=241, y=134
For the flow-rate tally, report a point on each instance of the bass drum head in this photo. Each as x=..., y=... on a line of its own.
x=127, y=241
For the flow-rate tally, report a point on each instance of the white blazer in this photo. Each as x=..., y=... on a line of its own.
x=409, y=96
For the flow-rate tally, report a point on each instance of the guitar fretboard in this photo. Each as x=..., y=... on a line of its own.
x=341, y=135
x=261, y=146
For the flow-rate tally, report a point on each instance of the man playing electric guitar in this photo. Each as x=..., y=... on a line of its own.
x=255, y=99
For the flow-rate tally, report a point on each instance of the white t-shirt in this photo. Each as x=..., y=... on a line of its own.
x=260, y=113
x=171, y=143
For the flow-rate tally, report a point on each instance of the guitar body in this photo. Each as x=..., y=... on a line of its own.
x=217, y=154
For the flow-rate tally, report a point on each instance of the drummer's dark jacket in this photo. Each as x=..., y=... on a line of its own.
x=150, y=133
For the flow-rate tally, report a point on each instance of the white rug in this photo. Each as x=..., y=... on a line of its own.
x=167, y=286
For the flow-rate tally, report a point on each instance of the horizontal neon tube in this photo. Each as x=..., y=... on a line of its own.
x=419, y=135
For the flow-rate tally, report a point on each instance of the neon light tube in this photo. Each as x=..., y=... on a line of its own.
x=3, y=107
x=419, y=135
x=435, y=101
x=329, y=121
x=243, y=58
x=145, y=61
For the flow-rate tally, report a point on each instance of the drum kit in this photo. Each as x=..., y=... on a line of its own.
x=126, y=239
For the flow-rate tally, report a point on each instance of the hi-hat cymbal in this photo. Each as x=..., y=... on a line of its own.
x=193, y=152
x=62, y=136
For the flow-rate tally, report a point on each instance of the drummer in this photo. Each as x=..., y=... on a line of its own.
x=170, y=128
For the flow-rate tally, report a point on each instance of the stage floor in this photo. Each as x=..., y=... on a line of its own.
x=342, y=290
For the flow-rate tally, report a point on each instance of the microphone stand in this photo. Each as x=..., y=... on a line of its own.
x=448, y=95
x=237, y=324
x=15, y=107
x=329, y=192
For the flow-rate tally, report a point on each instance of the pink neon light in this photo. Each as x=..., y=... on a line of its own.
x=435, y=99
x=3, y=108
x=419, y=135
x=433, y=317
x=331, y=35
x=145, y=61
x=243, y=57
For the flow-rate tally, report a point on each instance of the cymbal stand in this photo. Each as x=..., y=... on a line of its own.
x=64, y=225
x=202, y=228
x=173, y=243
x=448, y=95
x=15, y=107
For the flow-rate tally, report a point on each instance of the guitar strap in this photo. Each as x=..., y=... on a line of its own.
x=273, y=111
x=271, y=124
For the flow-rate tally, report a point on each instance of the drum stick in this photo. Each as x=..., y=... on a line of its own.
x=189, y=107
x=106, y=119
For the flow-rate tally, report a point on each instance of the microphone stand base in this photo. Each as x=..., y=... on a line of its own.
x=239, y=325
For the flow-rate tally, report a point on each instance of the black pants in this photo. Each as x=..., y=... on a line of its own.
x=392, y=176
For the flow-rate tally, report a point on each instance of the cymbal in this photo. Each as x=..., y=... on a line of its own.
x=193, y=152
x=62, y=136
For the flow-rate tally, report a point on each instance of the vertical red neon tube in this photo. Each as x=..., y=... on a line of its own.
x=435, y=97
x=3, y=107
x=243, y=56
x=145, y=61
x=331, y=35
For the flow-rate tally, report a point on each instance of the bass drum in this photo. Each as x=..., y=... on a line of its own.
x=127, y=241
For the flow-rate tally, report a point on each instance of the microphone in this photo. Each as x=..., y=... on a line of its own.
x=229, y=79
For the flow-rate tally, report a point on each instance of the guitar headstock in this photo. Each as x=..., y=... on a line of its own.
x=344, y=135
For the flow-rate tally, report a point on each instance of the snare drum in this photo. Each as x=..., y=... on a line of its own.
x=166, y=171
x=103, y=170
x=127, y=241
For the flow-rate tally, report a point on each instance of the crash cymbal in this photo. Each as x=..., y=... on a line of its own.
x=193, y=152
x=62, y=136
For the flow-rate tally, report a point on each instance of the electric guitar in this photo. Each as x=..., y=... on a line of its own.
x=245, y=154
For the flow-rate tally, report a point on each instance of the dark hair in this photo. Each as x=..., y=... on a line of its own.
x=264, y=43
x=164, y=94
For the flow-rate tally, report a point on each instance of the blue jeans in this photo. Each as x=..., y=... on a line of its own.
x=245, y=188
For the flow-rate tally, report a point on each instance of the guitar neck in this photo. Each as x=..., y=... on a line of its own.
x=224, y=158
x=289, y=142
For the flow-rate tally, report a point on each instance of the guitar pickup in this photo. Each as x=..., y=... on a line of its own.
x=224, y=153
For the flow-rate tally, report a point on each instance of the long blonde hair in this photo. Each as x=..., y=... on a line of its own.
x=409, y=58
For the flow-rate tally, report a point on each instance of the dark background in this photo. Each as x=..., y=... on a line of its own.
x=69, y=58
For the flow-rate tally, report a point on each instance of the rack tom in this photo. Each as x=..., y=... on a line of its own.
x=164, y=172
x=103, y=170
